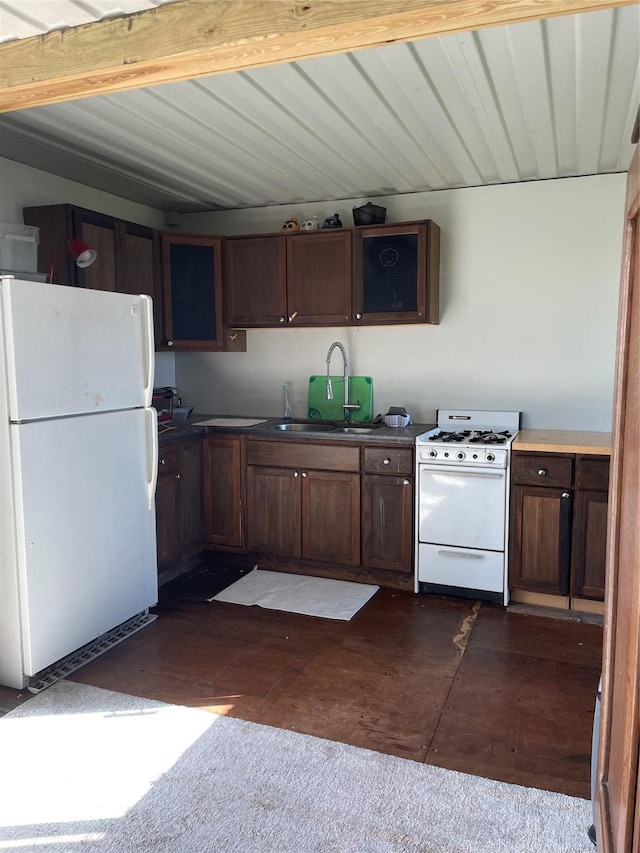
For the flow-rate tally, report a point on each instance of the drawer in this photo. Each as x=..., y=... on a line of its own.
x=304, y=454
x=388, y=460
x=168, y=459
x=592, y=472
x=542, y=470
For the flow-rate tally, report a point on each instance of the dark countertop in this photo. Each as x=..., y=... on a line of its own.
x=380, y=433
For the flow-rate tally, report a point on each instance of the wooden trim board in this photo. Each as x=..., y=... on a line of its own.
x=196, y=38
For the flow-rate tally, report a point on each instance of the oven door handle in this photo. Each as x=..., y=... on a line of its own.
x=485, y=475
x=464, y=554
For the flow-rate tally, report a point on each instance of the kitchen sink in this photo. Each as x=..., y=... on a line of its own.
x=323, y=427
x=354, y=429
x=305, y=427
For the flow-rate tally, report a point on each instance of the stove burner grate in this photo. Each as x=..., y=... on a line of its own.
x=468, y=436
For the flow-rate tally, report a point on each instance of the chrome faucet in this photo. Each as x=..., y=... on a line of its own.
x=346, y=406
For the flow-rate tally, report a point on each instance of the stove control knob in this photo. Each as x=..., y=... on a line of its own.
x=460, y=455
x=491, y=457
x=433, y=454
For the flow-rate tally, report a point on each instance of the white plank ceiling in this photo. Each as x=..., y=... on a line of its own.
x=534, y=101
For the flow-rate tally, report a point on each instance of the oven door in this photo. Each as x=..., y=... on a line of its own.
x=462, y=506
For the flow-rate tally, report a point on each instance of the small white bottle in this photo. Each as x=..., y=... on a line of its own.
x=287, y=402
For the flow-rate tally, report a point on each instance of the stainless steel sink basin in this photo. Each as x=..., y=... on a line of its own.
x=305, y=427
x=292, y=426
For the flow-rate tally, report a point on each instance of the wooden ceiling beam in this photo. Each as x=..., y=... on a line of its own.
x=196, y=38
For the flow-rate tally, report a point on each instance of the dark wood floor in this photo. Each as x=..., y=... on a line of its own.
x=464, y=685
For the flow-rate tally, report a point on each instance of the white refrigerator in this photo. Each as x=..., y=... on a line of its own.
x=78, y=467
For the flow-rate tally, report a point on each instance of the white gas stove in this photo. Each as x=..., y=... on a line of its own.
x=462, y=504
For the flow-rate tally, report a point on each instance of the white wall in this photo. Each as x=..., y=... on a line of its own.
x=529, y=290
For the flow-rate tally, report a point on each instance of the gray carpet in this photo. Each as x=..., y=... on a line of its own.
x=85, y=769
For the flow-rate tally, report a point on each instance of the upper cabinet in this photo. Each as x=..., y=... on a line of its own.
x=396, y=273
x=255, y=280
x=387, y=274
x=288, y=280
x=127, y=254
x=192, y=289
x=319, y=278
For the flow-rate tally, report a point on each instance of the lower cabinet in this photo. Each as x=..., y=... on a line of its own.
x=558, y=524
x=387, y=503
x=303, y=500
x=178, y=501
x=589, y=543
x=222, y=488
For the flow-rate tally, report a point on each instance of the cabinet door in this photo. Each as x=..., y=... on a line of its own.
x=222, y=491
x=191, y=282
x=139, y=267
x=101, y=233
x=396, y=273
x=190, y=492
x=274, y=511
x=387, y=518
x=540, y=542
x=589, y=547
x=319, y=278
x=331, y=517
x=255, y=281
x=167, y=503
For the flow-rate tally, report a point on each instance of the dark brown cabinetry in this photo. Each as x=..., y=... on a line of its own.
x=589, y=543
x=319, y=278
x=396, y=273
x=303, y=500
x=192, y=291
x=255, y=284
x=294, y=280
x=222, y=490
x=370, y=275
x=387, y=518
x=178, y=502
x=127, y=254
x=558, y=524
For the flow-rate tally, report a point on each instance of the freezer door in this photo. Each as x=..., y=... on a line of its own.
x=85, y=528
x=71, y=351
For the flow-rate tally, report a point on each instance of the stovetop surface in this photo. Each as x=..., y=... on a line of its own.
x=484, y=437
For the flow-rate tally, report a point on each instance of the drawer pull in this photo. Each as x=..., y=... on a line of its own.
x=565, y=495
x=293, y=316
x=177, y=476
x=542, y=472
x=386, y=461
x=463, y=554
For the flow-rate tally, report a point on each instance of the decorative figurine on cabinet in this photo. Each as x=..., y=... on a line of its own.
x=291, y=225
x=310, y=224
x=332, y=222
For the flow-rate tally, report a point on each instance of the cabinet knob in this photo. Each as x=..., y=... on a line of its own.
x=282, y=319
x=296, y=473
x=304, y=474
x=542, y=472
x=406, y=482
x=386, y=461
x=169, y=343
x=177, y=476
x=358, y=316
x=565, y=495
x=293, y=316
x=162, y=462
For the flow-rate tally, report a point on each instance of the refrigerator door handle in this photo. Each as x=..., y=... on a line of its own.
x=152, y=454
x=149, y=347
